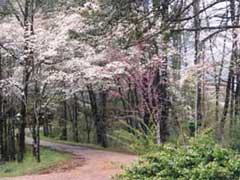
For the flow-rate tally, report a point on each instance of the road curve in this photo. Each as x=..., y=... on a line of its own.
x=97, y=165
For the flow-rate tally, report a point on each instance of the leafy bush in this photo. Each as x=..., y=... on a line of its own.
x=201, y=159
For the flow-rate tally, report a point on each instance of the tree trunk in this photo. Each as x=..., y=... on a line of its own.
x=63, y=123
x=99, y=114
x=230, y=89
x=236, y=19
x=75, y=119
x=25, y=81
x=161, y=83
x=1, y=117
x=103, y=122
x=198, y=101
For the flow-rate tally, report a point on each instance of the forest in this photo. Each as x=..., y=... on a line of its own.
x=157, y=81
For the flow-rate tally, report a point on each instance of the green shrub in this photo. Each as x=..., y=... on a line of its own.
x=201, y=159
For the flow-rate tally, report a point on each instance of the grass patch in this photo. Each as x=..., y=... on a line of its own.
x=49, y=158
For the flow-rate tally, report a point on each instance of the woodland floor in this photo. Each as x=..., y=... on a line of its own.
x=88, y=164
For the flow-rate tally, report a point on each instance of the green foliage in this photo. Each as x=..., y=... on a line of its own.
x=201, y=159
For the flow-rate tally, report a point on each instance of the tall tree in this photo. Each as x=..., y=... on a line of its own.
x=197, y=25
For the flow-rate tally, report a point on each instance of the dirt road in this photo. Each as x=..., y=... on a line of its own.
x=96, y=164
